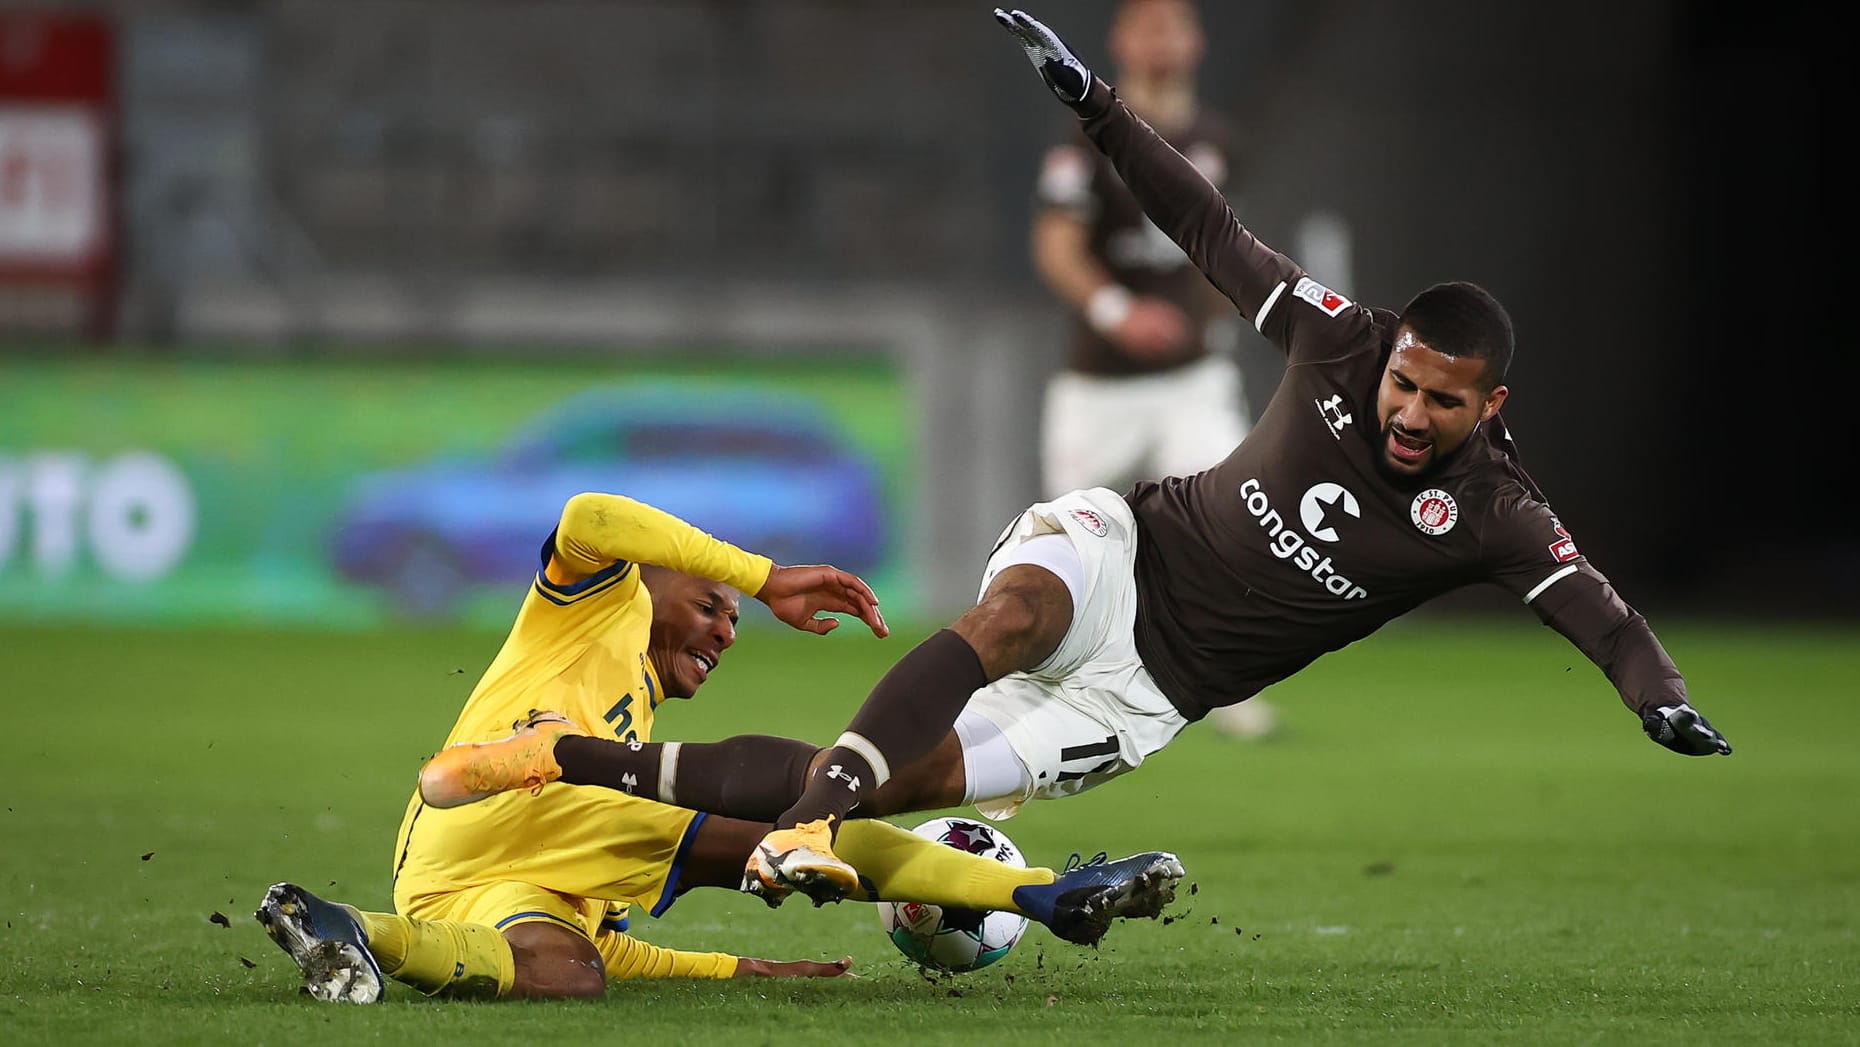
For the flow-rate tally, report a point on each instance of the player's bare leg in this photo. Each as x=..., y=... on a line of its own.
x=935, y=782
x=554, y=963
x=1018, y=624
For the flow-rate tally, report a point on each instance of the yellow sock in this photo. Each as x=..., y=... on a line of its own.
x=441, y=956
x=905, y=867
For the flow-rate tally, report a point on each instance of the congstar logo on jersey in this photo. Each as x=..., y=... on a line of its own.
x=1321, y=505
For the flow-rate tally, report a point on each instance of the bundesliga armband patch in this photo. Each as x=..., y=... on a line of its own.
x=1329, y=302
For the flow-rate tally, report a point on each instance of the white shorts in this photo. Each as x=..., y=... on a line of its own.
x=1091, y=711
x=1111, y=431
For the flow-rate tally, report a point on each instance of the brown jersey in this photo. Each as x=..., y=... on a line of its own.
x=1298, y=543
x=1077, y=179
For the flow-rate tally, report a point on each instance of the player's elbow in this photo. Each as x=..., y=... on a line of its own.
x=589, y=511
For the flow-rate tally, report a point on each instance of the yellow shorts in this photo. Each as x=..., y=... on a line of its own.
x=573, y=856
x=506, y=903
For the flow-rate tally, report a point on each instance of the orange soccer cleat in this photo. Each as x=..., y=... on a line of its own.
x=473, y=771
x=799, y=859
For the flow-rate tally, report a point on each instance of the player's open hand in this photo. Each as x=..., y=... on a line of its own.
x=747, y=967
x=1058, y=66
x=1684, y=730
x=801, y=595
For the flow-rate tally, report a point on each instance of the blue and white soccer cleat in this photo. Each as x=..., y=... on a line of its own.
x=1080, y=905
x=327, y=942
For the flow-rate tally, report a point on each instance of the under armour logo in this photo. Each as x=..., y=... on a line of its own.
x=1334, y=414
x=851, y=780
x=629, y=783
x=636, y=745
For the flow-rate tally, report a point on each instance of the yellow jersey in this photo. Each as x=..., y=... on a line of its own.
x=580, y=650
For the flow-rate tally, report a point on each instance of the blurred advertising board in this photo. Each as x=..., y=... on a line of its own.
x=57, y=132
x=358, y=493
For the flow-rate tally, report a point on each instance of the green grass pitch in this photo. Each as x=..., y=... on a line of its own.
x=1459, y=837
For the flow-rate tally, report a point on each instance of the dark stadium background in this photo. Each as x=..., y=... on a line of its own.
x=1646, y=185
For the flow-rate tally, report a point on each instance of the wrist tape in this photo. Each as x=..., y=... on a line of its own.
x=1108, y=307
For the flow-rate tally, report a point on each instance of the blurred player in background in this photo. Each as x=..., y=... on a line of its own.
x=1144, y=392
x=529, y=898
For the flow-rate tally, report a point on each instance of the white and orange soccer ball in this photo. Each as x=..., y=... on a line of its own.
x=957, y=939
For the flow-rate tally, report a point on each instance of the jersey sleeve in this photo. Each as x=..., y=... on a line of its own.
x=1194, y=213
x=626, y=958
x=1530, y=553
x=601, y=532
x=1065, y=182
x=1293, y=311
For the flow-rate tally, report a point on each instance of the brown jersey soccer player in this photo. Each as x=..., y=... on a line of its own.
x=1380, y=476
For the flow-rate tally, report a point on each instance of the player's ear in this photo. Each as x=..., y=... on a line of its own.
x=1493, y=401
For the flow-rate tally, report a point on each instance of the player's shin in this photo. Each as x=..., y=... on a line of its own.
x=907, y=714
x=441, y=957
x=751, y=776
x=905, y=867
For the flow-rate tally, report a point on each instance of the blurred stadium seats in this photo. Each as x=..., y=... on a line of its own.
x=488, y=177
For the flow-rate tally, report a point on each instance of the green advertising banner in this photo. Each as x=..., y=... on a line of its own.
x=355, y=493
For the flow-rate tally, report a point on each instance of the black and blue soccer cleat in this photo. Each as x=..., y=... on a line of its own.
x=327, y=942
x=1080, y=905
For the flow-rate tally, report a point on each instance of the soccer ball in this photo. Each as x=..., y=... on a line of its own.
x=957, y=939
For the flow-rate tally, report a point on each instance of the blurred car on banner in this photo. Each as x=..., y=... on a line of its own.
x=765, y=470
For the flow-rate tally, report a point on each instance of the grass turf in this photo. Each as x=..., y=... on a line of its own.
x=1459, y=837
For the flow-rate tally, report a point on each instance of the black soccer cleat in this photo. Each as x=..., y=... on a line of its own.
x=328, y=943
x=1080, y=905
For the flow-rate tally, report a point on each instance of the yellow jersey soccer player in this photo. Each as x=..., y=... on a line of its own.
x=515, y=897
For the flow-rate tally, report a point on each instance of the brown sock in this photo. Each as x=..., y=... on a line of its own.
x=910, y=711
x=750, y=776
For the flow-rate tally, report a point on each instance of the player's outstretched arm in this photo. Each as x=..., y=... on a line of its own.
x=1588, y=613
x=627, y=959
x=598, y=530
x=1171, y=190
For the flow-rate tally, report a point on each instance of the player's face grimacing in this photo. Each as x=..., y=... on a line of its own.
x=1429, y=403
x=693, y=623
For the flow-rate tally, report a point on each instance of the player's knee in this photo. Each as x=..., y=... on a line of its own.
x=552, y=963
x=559, y=978
x=1020, y=621
x=582, y=984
